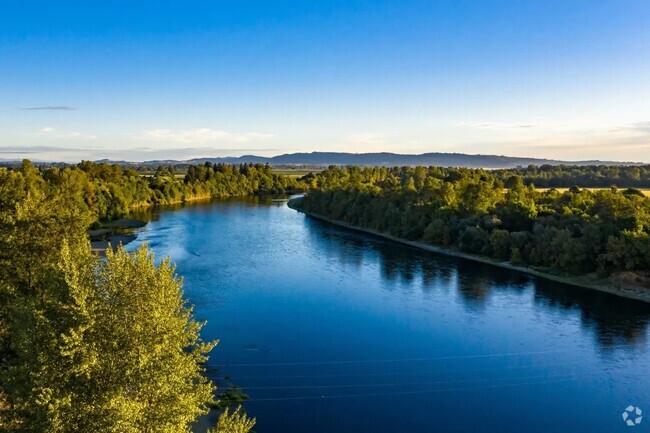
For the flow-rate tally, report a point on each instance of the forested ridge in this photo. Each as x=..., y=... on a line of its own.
x=495, y=214
x=100, y=345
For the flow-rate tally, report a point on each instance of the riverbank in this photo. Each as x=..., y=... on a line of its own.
x=120, y=231
x=114, y=233
x=585, y=282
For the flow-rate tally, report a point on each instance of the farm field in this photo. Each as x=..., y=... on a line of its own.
x=298, y=172
x=645, y=191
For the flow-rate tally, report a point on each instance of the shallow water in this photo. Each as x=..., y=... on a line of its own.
x=330, y=330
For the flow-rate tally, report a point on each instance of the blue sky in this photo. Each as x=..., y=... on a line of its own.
x=146, y=80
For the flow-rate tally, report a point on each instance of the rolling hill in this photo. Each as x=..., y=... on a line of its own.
x=391, y=159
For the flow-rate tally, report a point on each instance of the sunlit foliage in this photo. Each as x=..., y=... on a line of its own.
x=577, y=231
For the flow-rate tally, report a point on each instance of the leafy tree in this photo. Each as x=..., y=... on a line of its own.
x=500, y=244
x=573, y=232
x=473, y=240
x=234, y=422
x=114, y=348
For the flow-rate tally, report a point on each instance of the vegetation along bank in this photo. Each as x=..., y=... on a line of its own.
x=592, y=238
x=87, y=344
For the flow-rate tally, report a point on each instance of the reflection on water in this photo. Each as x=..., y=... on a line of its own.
x=330, y=330
x=614, y=320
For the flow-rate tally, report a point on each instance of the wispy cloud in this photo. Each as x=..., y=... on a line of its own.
x=218, y=151
x=632, y=143
x=75, y=154
x=636, y=127
x=497, y=126
x=366, y=138
x=50, y=108
x=50, y=132
x=200, y=135
x=25, y=150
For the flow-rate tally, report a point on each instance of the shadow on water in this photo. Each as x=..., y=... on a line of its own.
x=614, y=320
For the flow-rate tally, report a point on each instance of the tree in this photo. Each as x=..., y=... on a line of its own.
x=35, y=220
x=473, y=240
x=500, y=244
x=234, y=422
x=113, y=347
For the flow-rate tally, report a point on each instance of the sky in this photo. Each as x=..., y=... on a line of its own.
x=127, y=80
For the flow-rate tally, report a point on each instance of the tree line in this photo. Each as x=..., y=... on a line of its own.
x=96, y=345
x=575, y=232
x=111, y=191
x=586, y=176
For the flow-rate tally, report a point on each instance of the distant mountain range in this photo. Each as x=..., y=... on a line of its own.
x=323, y=159
x=315, y=159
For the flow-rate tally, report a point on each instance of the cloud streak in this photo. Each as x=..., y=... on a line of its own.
x=497, y=126
x=77, y=153
x=49, y=132
x=365, y=139
x=20, y=150
x=632, y=142
x=636, y=127
x=200, y=135
x=50, y=108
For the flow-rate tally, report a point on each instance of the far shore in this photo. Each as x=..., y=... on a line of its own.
x=586, y=282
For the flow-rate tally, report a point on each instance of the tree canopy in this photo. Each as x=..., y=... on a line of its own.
x=574, y=232
x=87, y=344
x=111, y=191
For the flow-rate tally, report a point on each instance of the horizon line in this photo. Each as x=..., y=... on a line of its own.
x=351, y=154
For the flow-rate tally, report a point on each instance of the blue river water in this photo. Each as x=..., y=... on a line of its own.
x=329, y=330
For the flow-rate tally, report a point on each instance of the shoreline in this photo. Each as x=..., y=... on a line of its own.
x=113, y=234
x=123, y=230
x=638, y=294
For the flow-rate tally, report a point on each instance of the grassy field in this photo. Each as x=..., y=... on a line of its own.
x=298, y=172
x=176, y=175
x=645, y=191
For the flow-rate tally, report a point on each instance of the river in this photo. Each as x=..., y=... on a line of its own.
x=329, y=330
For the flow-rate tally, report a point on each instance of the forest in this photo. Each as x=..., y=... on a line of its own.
x=101, y=345
x=110, y=191
x=498, y=214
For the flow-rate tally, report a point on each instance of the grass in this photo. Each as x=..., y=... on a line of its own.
x=645, y=191
x=176, y=175
x=291, y=172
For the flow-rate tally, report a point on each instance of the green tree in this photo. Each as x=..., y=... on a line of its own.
x=113, y=347
x=473, y=240
x=500, y=244
x=234, y=422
